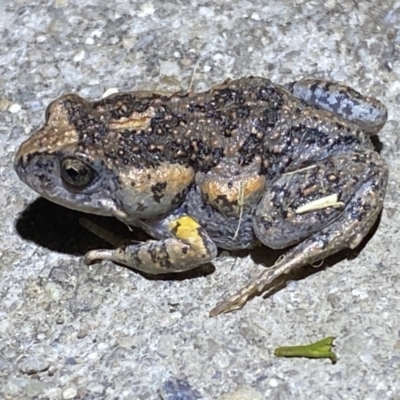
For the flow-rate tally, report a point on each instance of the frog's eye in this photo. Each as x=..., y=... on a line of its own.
x=76, y=173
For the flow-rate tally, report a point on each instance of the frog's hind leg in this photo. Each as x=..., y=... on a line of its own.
x=324, y=208
x=368, y=113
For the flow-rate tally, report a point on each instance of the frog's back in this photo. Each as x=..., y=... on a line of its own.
x=196, y=129
x=243, y=122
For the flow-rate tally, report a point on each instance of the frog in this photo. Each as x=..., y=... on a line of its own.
x=244, y=164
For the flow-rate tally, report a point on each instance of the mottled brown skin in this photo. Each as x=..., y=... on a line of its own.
x=243, y=164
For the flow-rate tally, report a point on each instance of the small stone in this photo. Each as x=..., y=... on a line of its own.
x=48, y=71
x=4, y=364
x=34, y=105
x=4, y=103
x=244, y=393
x=273, y=382
x=222, y=360
x=52, y=370
x=79, y=56
x=14, y=108
x=53, y=291
x=82, y=334
x=146, y=9
x=89, y=41
x=93, y=356
x=60, y=3
x=35, y=388
x=128, y=42
x=169, y=68
x=9, y=352
x=95, y=387
x=69, y=392
x=334, y=300
x=70, y=361
x=4, y=325
x=102, y=346
x=127, y=342
x=366, y=357
x=14, y=385
x=31, y=365
x=206, y=12
x=185, y=62
x=178, y=388
x=143, y=42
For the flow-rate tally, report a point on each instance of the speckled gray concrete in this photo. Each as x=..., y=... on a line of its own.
x=72, y=331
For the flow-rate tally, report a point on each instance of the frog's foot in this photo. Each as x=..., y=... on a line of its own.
x=368, y=113
x=323, y=223
x=187, y=247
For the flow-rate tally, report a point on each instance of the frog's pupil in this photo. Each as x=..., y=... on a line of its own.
x=77, y=173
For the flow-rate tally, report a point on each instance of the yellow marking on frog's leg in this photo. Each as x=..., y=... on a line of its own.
x=320, y=204
x=188, y=247
x=185, y=228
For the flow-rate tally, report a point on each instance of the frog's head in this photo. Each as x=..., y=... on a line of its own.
x=55, y=163
x=79, y=160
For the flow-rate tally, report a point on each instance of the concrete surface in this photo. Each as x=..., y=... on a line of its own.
x=104, y=332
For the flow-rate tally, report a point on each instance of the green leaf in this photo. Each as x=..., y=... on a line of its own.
x=320, y=349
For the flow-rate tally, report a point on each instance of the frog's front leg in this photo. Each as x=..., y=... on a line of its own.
x=324, y=208
x=368, y=113
x=184, y=245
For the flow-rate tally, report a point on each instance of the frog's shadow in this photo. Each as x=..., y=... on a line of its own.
x=58, y=229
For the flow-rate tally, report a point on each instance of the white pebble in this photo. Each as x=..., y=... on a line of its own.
x=14, y=108
x=79, y=56
x=53, y=291
x=147, y=9
x=273, y=382
x=69, y=392
x=366, y=357
x=95, y=387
